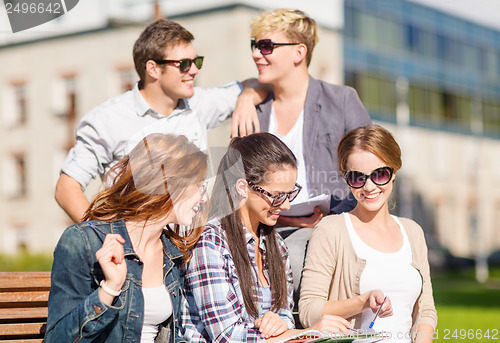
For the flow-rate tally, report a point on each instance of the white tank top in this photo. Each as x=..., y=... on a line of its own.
x=294, y=140
x=394, y=275
x=157, y=309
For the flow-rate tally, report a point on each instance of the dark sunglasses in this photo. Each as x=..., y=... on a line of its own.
x=277, y=199
x=184, y=64
x=266, y=46
x=379, y=176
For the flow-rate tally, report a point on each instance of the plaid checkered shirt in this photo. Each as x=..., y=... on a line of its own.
x=215, y=310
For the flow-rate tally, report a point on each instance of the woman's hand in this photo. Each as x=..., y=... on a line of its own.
x=270, y=325
x=331, y=324
x=375, y=299
x=111, y=257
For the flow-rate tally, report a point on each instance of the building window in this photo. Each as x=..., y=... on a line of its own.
x=15, y=176
x=64, y=96
x=15, y=105
x=127, y=79
x=20, y=95
x=64, y=105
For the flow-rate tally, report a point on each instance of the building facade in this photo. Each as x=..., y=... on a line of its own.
x=51, y=82
x=434, y=79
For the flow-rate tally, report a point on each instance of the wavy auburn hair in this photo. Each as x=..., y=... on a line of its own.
x=144, y=185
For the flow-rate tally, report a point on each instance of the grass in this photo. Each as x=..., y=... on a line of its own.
x=467, y=310
x=25, y=261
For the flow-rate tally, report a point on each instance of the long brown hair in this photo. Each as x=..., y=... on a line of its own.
x=143, y=185
x=251, y=157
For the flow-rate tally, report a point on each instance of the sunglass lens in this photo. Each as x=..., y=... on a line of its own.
x=355, y=179
x=381, y=176
x=198, y=62
x=265, y=46
x=185, y=65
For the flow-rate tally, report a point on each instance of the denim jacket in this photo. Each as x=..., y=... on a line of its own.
x=75, y=312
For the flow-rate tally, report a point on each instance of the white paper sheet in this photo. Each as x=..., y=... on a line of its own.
x=306, y=208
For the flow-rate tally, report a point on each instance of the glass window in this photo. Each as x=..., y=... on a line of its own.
x=411, y=37
x=349, y=21
x=15, y=104
x=491, y=117
x=368, y=30
x=469, y=57
x=14, y=176
x=482, y=63
x=64, y=96
x=463, y=110
x=128, y=78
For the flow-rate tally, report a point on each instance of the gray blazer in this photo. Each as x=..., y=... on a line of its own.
x=329, y=112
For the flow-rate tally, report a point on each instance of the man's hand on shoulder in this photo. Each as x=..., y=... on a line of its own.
x=245, y=120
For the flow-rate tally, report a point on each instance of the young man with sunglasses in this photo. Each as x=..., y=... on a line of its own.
x=309, y=115
x=163, y=101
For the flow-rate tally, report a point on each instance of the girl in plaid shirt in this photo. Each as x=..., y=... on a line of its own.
x=239, y=281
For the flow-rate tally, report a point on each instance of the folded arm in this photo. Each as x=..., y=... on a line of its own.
x=70, y=197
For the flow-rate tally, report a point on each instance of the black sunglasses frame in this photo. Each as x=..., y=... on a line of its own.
x=277, y=201
x=258, y=45
x=371, y=176
x=184, y=64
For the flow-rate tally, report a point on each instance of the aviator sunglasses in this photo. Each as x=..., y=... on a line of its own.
x=266, y=46
x=380, y=176
x=277, y=199
x=184, y=64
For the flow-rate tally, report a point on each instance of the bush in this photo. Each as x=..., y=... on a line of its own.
x=26, y=262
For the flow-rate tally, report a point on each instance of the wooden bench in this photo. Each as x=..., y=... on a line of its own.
x=23, y=306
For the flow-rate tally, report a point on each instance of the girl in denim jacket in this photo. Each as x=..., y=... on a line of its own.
x=116, y=277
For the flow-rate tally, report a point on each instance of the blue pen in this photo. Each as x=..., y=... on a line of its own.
x=378, y=311
x=97, y=229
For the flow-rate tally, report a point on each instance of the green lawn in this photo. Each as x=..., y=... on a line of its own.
x=467, y=310
x=26, y=262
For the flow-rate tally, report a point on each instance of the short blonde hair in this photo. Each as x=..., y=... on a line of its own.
x=295, y=24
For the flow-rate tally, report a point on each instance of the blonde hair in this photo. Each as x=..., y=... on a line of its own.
x=295, y=24
x=374, y=139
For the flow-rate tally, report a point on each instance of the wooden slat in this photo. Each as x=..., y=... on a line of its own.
x=35, y=340
x=24, y=313
x=23, y=306
x=23, y=297
x=28, y=280
x=37, y=329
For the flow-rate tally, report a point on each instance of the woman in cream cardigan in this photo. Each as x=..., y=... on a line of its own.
x=367, y=259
